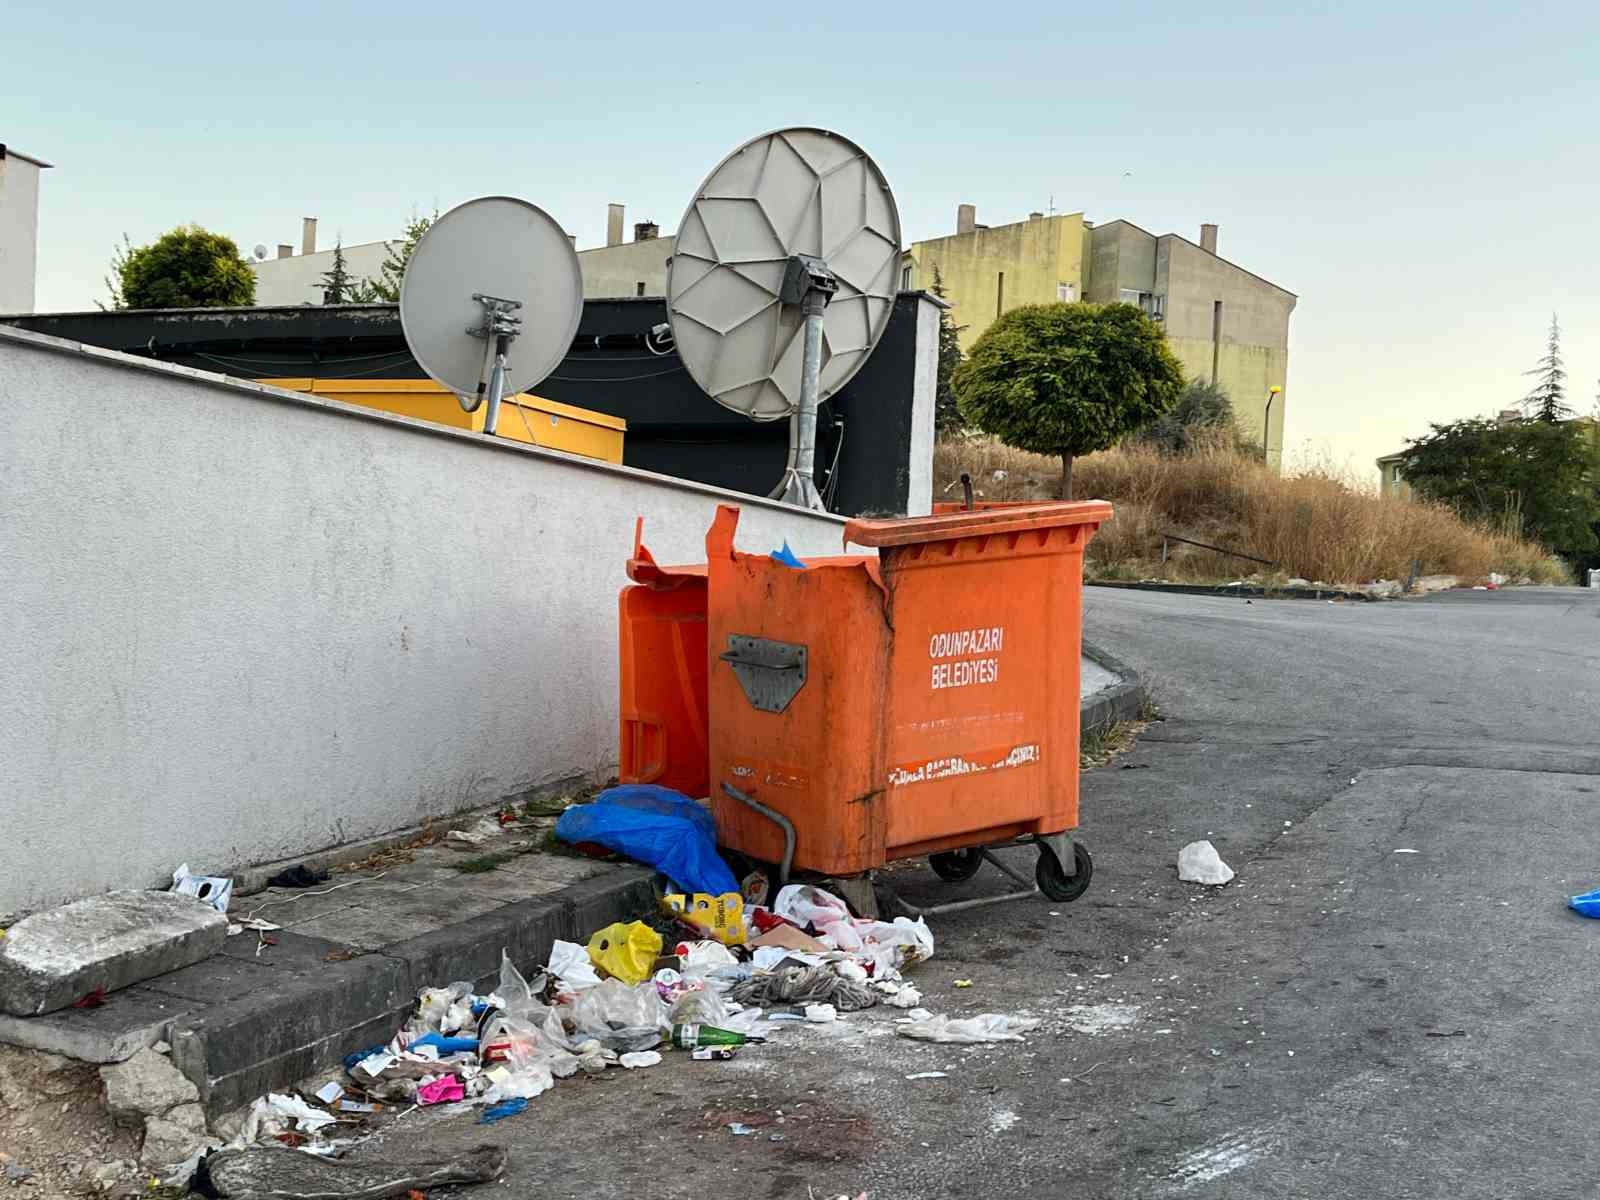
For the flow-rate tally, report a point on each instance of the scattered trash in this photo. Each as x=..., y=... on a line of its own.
x=214, y=891
x=261, y=1171
x=506, y=1108
x=985, y=1027
x=1097, y=1019
x=330, y=1092
x=803, y=984
x=692, y=1037
x=1438, y=1033
x=962, y=983
x=721, y=917
x=446, y=1089
x=358, y=1106
x=740, y=1129
x=570, y=963
x=1405, y=850
x=640, y=1058
x=657, y=826
x=787, y=557
x=626, y=951
x=929, y=1075
x=300, y=876
x=713, y=1054
x=821, y=1014
x=1199, y=862
x=1587, y=905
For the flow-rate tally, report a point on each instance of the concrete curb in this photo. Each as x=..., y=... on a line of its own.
x=1122, y=701
x=1249, y=591
x=243, y=1048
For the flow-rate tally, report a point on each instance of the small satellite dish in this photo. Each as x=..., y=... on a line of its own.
x=782, y=281
x=260, y=252
x=490, y=300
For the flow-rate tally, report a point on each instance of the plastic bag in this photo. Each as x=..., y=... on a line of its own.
x=654, y=825
x=807, y=905
x=699, y=1008
x=985, y=1027
x=523, y=1083
x=618, y=1016
x=895, y=945
x=209, y=889
x=517, y=997
x=569, y=962
x=626, y=951
x=1587, y=905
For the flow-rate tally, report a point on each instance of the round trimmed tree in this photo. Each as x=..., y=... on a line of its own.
x=189, y=267
x=1068, y=379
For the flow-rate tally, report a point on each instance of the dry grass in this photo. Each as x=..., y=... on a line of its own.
x=1315, y=525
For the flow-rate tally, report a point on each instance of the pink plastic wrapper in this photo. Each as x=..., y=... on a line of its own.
x=447, y=1089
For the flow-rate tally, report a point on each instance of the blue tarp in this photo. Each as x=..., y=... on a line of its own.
x=656, y=826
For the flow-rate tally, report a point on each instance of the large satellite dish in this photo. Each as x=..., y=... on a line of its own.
x=491, y=299
x=782, y=281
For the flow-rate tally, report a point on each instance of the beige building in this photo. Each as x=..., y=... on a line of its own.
x=619, y=268
x=1224, y=323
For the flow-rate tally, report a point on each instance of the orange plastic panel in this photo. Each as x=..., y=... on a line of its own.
x=662, y=674
x=940, y=706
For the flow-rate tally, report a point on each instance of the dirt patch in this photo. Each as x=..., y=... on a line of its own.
x=55, y=1126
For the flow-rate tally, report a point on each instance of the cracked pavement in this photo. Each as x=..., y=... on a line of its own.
x=1343, y=1020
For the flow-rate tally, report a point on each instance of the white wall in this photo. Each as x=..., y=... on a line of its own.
x=19, y=232
x=242, y=624
x=298, y=278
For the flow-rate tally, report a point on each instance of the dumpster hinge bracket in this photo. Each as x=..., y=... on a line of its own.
x=770, y=672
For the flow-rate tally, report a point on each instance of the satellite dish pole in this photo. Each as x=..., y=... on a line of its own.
x=808, y=283
x=499, y=326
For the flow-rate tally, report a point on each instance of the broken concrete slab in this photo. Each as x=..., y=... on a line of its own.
x=279, y=1171
x=133, y=1019
x=53, y=959
x=146, y=1085
x=170, y=1139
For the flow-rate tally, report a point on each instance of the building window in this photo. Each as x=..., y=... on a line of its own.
x=905, y=279
x=1066, y=292
x=1000, y=294
x=1128, y=295
x=639, y=288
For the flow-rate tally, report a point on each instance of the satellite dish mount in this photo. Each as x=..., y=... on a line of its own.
x=499, y=327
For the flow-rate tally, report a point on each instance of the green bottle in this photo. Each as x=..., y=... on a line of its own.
x=690, y=1037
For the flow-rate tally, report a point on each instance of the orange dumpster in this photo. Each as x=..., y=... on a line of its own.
x=921, y=702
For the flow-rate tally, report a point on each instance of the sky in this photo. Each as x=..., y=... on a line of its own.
x=1424, y=176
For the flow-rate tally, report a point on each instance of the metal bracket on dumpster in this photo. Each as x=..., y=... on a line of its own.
x=771, y=673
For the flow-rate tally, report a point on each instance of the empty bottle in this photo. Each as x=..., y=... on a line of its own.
x=690, y=1037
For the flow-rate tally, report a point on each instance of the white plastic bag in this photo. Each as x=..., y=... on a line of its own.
x=985, y=1027
x=570, y=963
x=209, y=889
x=523, y=1082
x=1199, y=862
x=897, y=944
x=807, y=905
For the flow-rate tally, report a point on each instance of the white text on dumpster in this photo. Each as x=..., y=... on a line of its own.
x=962, y=645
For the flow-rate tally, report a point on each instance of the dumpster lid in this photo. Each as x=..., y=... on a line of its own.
x=982, y=522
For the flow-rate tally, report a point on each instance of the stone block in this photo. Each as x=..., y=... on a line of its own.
x=146, y=1085
x=52, y=959
x=170, y=1139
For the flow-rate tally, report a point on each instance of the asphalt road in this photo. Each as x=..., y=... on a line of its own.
x=1343, y=1020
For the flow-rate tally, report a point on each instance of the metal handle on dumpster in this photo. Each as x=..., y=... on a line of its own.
x=776, y=818
x=771, y=673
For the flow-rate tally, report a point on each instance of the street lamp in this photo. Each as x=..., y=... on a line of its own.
x=1266, y=423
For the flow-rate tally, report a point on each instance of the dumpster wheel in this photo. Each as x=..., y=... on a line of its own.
x=1057, y=884
x=957, y=866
